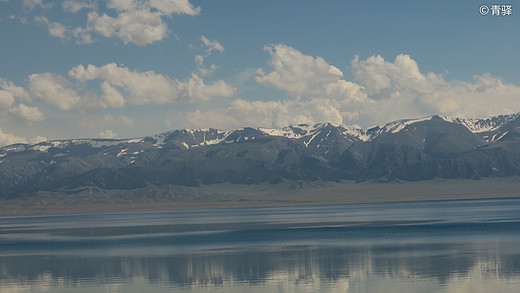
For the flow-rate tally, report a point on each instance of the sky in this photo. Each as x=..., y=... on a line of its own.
x=131, y=68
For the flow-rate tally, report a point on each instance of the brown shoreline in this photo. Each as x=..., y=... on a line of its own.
x=235, y=196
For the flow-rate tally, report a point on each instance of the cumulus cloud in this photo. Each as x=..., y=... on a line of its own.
x=307, y=76
x=140, y=27
x=9, y=138
x=170, y=7
x=108, y=134
x=27, y=113
x=384, y=79
x=37, y=139
x=111, y=98
x=118, y=86
x=319, y=91
x=262, y=114
x=55, y=29
x=283, y=113
x=10, y=94
x=150, y=87
x=6, y=99
x=383, y=90
x=55, y=90
x=9, y=88
x=137, y=22
x=166, y=7
x=402, y=84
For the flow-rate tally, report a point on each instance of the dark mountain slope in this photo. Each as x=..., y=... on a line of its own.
x=413, y=150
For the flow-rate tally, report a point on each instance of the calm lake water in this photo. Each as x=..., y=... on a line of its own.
x=439, y=246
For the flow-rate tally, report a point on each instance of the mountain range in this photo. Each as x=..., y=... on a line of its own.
x=409, y=149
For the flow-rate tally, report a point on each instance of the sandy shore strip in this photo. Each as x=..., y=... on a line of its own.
x=263, y=195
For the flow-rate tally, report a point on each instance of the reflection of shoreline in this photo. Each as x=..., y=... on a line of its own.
x=291, y=266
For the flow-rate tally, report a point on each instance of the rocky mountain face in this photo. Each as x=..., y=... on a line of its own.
x=414, y=149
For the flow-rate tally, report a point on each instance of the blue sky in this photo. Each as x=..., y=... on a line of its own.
x=81, y=68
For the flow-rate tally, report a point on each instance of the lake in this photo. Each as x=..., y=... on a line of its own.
x=428, y=246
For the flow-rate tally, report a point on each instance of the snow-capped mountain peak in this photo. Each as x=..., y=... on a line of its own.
x=479, y=125
x=489, y=129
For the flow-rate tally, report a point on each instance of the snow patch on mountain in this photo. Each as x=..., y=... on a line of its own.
x=94, y=143
x=295, y=132
x=221, y=136
x=395, y=127
x=306, y=143
x=479, y=125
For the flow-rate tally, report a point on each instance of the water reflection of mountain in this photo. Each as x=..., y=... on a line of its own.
x=441, y=262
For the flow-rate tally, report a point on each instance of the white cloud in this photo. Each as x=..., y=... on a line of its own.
x=108, y=134
x=82, y=35
x=137, y=22
x=8, y=138
x=27, y=113
x=150, y=87
x=283, y=113
x=55, y=29
x=170, y=7
x=118, y=86
x=111, y=98
x=16, y=91
x=6, y=99
x=9, y=94
x=76, y=5
x=140, y=22
x=261, y=114
x=37, y=139
x=384, y=90
x=140, y=27
x=55, y=90
x=203, y=70
x=312, y=82
x=306, y=76
x=383, y=79
x=400, y=88
x=195, y=89
x=211, y=45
